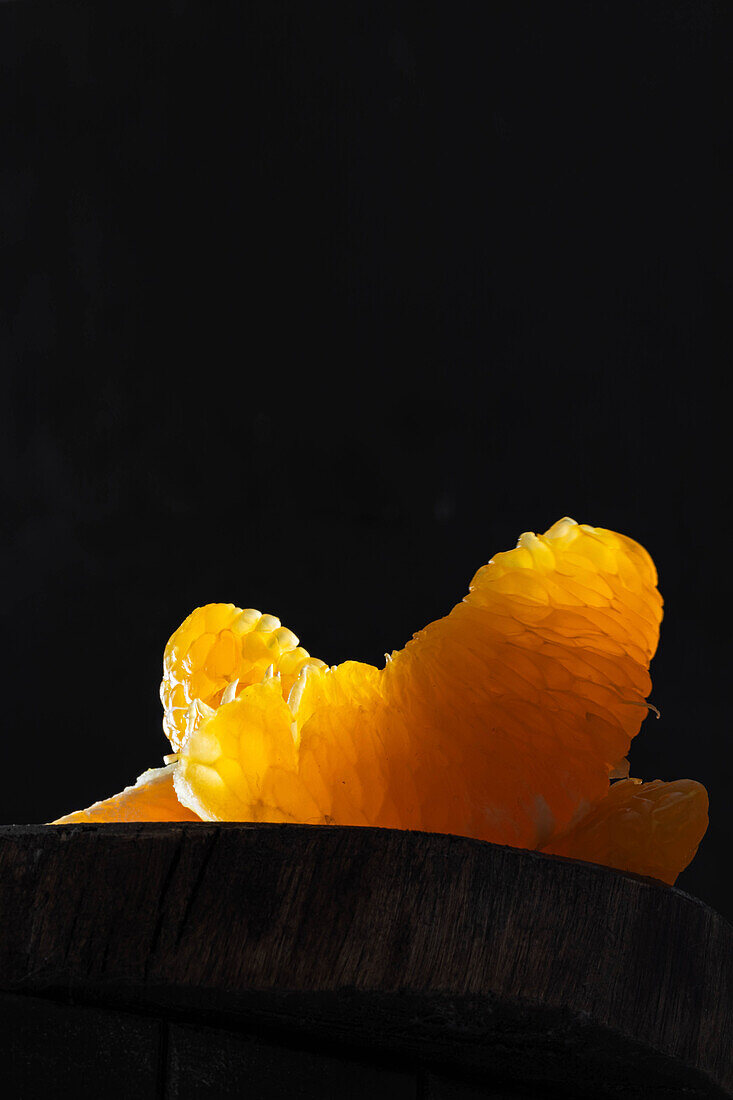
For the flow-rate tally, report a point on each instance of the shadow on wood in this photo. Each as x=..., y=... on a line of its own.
x=313, y=961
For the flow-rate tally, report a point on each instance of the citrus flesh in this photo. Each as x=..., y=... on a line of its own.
x=150, y=798
x=505, y=720
x=653, y=829
x=220, y=647
x=496, y=721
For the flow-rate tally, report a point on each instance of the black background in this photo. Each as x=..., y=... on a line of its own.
x=313, y=308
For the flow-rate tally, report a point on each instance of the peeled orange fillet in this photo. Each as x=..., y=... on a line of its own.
x=220, y=648
x=496, y=721
x=505, y=720
x=652, y=828
x=151, y=798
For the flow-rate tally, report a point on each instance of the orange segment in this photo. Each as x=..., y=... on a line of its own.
x=650, y=828
x=232, y=761
x=151, y=798
x=533, y=686
x=497, y=721
x=221, y=646
x=505, y=720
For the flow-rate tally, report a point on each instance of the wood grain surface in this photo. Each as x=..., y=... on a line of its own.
x=403, y=950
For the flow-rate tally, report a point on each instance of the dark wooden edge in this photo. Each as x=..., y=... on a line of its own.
x=439, y=947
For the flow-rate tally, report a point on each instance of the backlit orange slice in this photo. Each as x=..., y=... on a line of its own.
x=151, y=798
x=497, y=721
x=505, y=720
x=652, y=828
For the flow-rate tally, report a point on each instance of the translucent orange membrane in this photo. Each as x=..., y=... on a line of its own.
x=151, y=798
x=497, y=721
x=652, y=828
x=505, y=720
